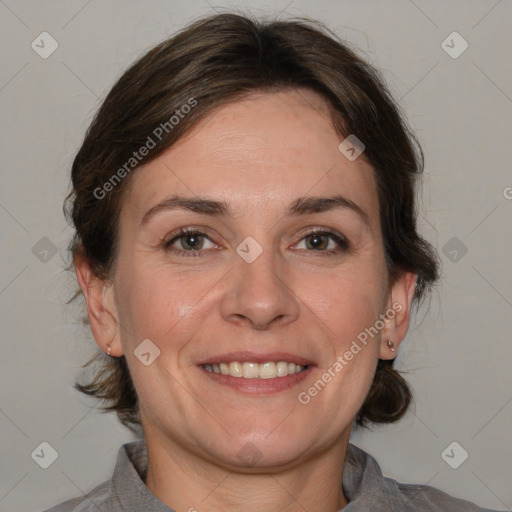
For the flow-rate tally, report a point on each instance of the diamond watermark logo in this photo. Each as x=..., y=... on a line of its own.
x=454, y=45
x=249, y=249
x=351, y=148
x=44, y=45
x=454, y=249
x=454, y=455
x=249, y=454
x=44, y=250
x=147, y=352
x=44, y=455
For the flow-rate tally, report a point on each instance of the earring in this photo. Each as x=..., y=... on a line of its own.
x=108, y=350
x=390, y=344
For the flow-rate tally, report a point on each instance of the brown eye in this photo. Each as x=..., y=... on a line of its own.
x=317, y=241
x=188, y=241
x=324, y=241
x=191, y=241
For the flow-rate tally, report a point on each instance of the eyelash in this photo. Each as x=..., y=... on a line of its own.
x=343, y=243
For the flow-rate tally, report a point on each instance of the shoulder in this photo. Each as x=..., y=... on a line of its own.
x=115, y=493
x=424, y=497
x=366, y=485
x=93, y=501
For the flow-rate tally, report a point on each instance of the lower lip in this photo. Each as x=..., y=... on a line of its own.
x=259, y=386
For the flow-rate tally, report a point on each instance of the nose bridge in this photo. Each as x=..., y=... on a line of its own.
x=258, y=288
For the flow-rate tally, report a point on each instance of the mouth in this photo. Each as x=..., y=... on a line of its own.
x=254, y=370
x=261, y=374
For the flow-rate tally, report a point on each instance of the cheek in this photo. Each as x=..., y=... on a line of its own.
x=346, y=310
x=159, y=302
x=345, y=302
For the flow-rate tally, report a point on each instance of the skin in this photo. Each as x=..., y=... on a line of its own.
x=258, y=154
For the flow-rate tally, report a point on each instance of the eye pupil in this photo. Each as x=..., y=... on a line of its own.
x=191, y=241
x=316, y=241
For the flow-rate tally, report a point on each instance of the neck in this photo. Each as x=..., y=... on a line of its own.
x=184, y=481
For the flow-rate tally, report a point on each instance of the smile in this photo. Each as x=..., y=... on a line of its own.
x=254, y=370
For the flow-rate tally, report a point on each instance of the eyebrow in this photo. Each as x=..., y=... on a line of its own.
x=301, y=206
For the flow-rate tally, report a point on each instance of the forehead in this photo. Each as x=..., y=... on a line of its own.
x=262, y=151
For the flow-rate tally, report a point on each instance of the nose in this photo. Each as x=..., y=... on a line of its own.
x=260, y=293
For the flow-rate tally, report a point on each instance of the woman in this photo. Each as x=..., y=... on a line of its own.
x=246, y=243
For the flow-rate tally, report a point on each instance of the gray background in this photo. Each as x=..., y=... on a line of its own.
x=458, y=354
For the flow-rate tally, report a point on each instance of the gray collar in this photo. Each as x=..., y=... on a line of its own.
x=362, y=481
x=364, y=486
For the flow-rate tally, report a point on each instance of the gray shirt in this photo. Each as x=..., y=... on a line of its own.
x=364, y=486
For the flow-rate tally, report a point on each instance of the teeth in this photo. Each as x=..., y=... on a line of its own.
x=268, y=371
x=282, y=369
x=250, y=370
x=236, y=369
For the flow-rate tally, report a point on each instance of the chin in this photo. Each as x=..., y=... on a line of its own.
x=255, y=448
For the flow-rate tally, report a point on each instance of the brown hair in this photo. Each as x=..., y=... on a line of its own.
x=220, y=59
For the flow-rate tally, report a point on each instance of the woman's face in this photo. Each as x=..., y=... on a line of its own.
x=250, y=283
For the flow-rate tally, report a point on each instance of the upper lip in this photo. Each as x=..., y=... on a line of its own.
x=243, y=356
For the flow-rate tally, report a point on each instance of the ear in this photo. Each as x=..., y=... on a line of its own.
x=99, y=295
x=397, y=314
